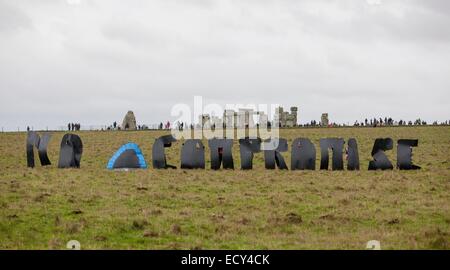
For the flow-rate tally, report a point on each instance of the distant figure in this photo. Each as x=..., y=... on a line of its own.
x=115, y=124
x=28, y=128
x=68, y=127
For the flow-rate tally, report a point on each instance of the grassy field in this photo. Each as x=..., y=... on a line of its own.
x=44, y=207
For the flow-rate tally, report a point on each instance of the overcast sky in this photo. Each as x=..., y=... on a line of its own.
x=91, y=61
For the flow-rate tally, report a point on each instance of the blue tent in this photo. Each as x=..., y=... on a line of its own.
x=129, y=156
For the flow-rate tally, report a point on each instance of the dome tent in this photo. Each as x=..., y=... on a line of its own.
x=129, y=156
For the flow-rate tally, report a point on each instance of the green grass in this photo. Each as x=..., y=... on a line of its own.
x=44, y=207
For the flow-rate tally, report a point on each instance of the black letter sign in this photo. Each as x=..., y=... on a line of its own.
x=380, y=160
x=303, y=155
x=404, y=154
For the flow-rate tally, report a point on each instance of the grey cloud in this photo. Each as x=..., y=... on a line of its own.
x=135, y=34
x=93, y=62
x=12, y=18
x=438, y=6
x=388, y=21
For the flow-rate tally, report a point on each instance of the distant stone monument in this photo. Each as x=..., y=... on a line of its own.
x=284, y=118
x=324, y=120
x=129, y=121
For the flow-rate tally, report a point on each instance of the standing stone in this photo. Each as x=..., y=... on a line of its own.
x=293, y=116
x=129, y=122
x=324, y=119
x=229, y=118
x=263, y=119
x=245, y=118
x=205, y=121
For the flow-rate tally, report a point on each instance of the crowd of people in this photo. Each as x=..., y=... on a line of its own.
x=390, y=122
x=73, y=126
x=380, y=122
x=167, y=125
x=372, y=122
x=115, y=126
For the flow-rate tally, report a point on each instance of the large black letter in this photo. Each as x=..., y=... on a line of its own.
x=273, y=157
x=352, y=155
x=41, y=144
x=158, y=154
x=247, y=148
x=32, y=141
x=70, y=151
x=404, y=154
x=193, y=154
x=303, y=155
x=221, y=152
x=336, y=145
x=380, y=160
